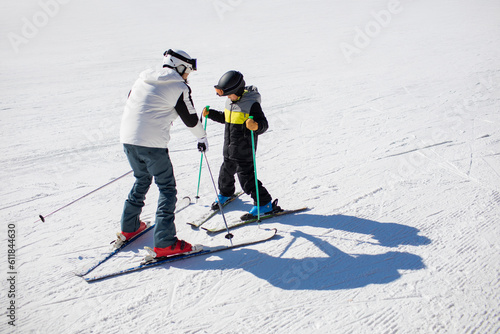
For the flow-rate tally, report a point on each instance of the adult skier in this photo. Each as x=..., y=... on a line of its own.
x=156, y=99
x=242, y=102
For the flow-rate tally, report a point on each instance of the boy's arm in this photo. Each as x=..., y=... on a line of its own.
x=216, y=115
x=259, y=117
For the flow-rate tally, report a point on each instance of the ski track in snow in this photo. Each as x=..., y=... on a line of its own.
x=394, y=149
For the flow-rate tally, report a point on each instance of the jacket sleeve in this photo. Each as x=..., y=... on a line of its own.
x=217, y=116
x=186, y=111
x=259, y=117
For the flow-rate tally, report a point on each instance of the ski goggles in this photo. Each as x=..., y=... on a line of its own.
x=219, y=91
x=192, y=62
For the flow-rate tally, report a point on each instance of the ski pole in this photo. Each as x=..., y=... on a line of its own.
x=42, y=218
x=255, y=172
x=228, y=235
x=201, y=159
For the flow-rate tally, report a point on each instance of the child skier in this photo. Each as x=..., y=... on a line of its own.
x=242, y=102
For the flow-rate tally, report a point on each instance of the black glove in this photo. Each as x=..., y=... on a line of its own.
x=203, y=144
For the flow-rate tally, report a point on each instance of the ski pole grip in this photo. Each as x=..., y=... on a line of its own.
x=207, y=107
x=251, y=117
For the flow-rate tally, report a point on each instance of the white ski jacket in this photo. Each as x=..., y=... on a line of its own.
x=156, y=100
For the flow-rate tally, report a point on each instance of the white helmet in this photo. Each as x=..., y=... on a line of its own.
x=179, y=60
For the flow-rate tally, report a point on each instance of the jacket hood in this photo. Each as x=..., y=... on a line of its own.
x=252, y=93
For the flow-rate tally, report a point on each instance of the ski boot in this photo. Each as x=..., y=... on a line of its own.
x=179, y=247
x=271, y=207
x=124, y=236
x=222, y=199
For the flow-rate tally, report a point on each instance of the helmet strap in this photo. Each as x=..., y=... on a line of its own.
x=183, y=71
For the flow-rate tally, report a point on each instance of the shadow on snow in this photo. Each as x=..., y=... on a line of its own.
x=334, y=269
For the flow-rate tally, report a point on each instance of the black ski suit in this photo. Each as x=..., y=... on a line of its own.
x=237, y=152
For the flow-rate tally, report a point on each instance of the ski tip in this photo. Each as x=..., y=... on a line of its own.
x=210, y=231
x=94, y=279
x=193, y=226
x=274, y=230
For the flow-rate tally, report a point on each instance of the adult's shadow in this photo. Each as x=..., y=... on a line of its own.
x=334, y=270
x=387, y=234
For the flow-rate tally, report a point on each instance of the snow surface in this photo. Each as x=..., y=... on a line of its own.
x=384, y=121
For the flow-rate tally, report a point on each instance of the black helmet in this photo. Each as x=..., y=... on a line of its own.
x=230, y=83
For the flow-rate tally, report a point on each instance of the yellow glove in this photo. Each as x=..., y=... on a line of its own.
x=251, y=124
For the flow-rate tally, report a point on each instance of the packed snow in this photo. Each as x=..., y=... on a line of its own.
x=384, y=121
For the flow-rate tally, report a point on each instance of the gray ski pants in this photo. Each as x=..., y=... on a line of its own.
x=147, y=163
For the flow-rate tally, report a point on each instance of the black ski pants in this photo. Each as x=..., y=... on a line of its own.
x=246, y=176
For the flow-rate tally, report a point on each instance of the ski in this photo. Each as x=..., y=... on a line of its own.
x=252, y=220
x=181, y=205
x=266, y=235
x=197, y=223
